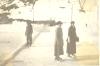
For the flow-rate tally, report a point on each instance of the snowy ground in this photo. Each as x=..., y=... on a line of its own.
x=40, y=54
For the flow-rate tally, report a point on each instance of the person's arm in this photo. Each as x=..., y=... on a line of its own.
x=69, y=32
x=31, y=29
x=68, y=35
x=26, y=31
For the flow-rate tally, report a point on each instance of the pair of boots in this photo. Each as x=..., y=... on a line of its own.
x=58, y=58
x=70, y=55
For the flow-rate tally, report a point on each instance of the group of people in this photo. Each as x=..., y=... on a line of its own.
x=58, y=47
x=71, y=41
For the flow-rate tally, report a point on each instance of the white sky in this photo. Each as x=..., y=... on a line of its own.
x=49, y=9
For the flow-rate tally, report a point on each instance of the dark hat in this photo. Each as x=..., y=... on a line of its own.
x=72, y=22
x=59, y=22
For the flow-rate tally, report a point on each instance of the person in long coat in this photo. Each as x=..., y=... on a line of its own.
x=28, y=33
x=58, y=48
x=72, y=39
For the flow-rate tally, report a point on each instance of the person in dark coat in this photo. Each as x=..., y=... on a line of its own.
x=28, y=33
x=72, y=39
x=58, y=48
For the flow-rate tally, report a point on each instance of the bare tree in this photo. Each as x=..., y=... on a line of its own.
x=7, y=5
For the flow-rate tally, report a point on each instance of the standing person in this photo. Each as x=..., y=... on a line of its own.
x=28, y=33
x=58, y=48
x=72, y=39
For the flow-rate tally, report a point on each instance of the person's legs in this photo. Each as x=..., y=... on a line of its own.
x=30, y=40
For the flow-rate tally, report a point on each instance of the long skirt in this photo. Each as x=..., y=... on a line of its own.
x=58, y=49
x=71, y=47
x=29, y=39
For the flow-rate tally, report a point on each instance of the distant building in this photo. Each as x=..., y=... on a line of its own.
x=49, y=22
x=4, y=19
